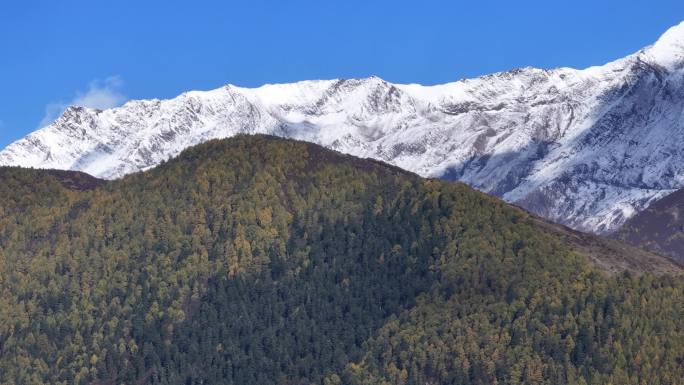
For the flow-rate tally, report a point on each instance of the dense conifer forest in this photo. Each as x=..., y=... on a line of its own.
x=257, y=260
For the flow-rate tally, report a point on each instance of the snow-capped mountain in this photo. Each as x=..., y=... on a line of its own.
x=587, y=148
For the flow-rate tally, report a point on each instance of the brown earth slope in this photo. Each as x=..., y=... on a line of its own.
x=660, y=228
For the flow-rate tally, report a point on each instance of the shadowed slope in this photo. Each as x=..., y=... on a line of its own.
x=660, y=228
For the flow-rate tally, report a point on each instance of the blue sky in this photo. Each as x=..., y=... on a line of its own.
x=101, y=53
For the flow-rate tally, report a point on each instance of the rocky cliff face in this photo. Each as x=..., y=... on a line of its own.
x=586, y=148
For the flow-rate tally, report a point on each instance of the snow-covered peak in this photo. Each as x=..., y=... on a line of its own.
x=303, y=92
x=668, y=50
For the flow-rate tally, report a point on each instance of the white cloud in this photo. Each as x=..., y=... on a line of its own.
x=101, y=94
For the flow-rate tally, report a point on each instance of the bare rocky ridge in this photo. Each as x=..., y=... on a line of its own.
x=586, y=148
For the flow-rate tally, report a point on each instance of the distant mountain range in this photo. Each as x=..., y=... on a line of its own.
x=587, y=148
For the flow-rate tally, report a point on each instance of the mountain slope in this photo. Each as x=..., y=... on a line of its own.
x=659, y=228
x=610, y=255
x=259, y=260
x=587, y=148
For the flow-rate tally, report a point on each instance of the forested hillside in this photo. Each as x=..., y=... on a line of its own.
x=257, y=260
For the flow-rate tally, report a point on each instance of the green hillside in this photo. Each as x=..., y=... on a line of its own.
x=257, y=260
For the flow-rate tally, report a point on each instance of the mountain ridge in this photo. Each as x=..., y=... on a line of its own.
x=608, y=255
x=586, y=148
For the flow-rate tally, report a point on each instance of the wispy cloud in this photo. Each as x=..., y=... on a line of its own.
x=101, y=94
